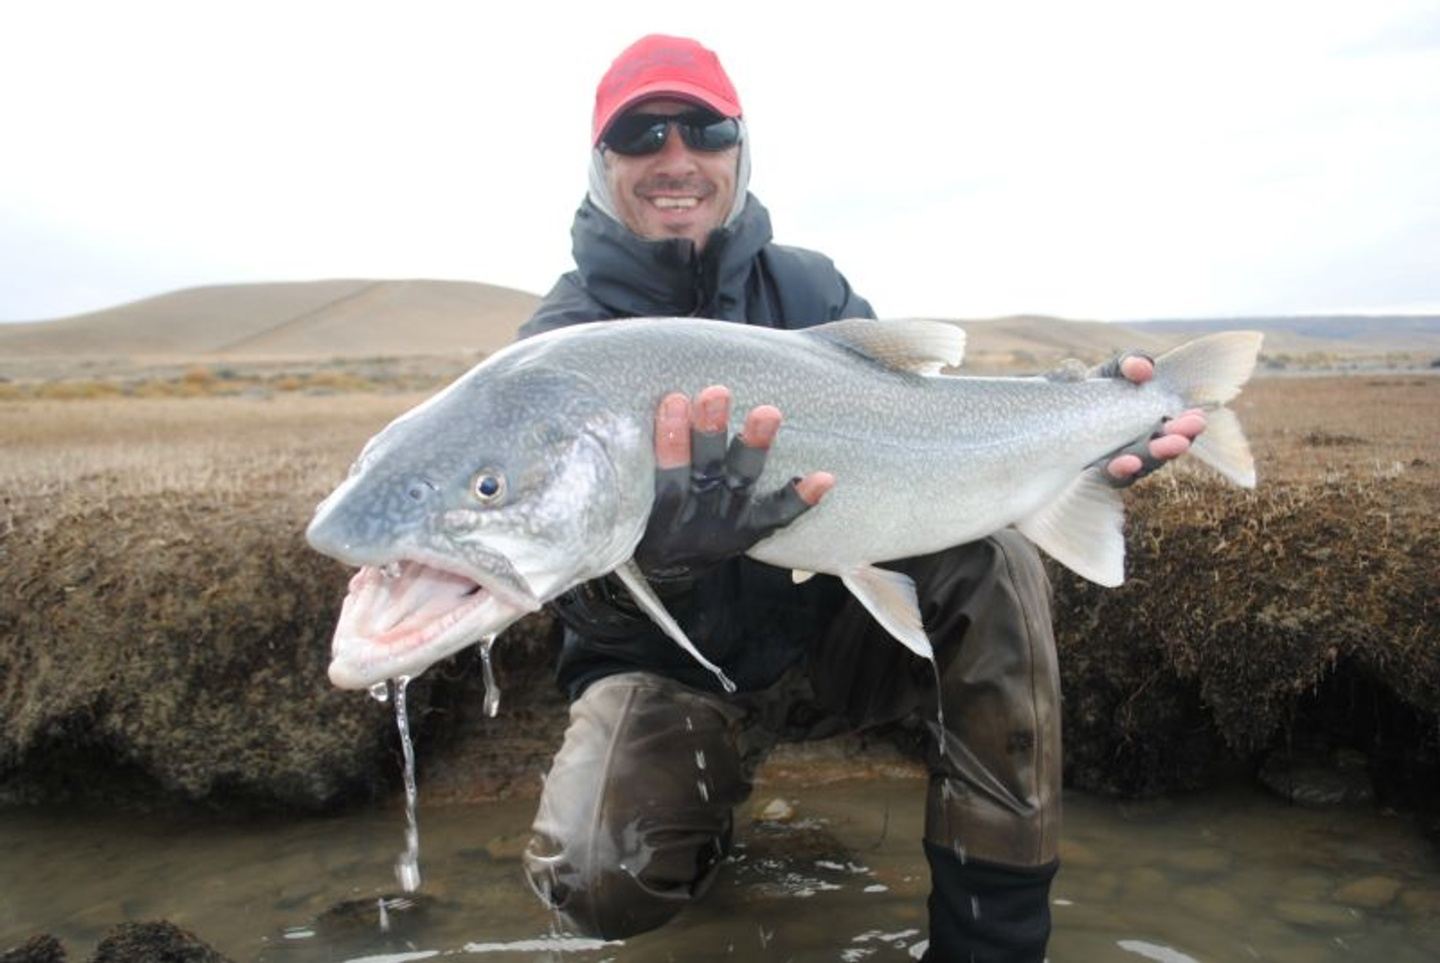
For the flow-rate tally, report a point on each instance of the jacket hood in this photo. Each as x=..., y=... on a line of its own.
x=636, y=277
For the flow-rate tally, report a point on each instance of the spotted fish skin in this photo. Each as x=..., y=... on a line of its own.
x=922, y=460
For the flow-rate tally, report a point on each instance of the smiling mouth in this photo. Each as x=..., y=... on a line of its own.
x=675, y=203
x=401, y=617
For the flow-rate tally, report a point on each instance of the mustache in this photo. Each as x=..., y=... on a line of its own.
x=661, y=184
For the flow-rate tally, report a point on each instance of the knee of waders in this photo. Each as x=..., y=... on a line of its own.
x=626, y=886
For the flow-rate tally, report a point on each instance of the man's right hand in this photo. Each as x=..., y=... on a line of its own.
x=705, y=510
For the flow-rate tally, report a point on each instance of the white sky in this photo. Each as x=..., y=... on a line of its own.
x=1092, y=160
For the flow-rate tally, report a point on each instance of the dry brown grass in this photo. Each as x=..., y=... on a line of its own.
x=1305, y=612
x=61, y=456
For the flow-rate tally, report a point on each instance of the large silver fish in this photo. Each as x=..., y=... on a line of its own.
x=534, y=472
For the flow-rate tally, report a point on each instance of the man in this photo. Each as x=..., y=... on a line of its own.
x=636, y=814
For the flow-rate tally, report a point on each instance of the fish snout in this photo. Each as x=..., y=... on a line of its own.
x=327, y=534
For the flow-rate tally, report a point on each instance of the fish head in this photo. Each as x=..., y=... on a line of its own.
x=474, y=509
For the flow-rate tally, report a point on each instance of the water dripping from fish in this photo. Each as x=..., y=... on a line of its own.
x=492, y=691
x=407, y=864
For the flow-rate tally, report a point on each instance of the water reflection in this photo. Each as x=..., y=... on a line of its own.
x=836, y=874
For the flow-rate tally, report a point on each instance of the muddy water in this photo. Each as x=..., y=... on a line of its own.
x=1218, y=877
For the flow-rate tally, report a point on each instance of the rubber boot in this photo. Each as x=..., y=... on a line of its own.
x=987, y=913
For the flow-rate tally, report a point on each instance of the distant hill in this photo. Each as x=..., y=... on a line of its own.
x=314, y=320
x=1342, y=334
x=303, y=319
x=1034, y=342
x=1029, y=342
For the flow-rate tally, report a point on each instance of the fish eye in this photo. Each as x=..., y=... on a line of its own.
x=489, y=486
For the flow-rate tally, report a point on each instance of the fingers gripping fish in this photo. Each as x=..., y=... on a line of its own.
x=534, y=472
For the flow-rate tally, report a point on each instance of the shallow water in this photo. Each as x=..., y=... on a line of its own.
x=1216, y=877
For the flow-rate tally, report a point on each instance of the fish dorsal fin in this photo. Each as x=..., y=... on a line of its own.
x=912, y=344
x=646, y=598
x=891, y=598
x=1083, y=529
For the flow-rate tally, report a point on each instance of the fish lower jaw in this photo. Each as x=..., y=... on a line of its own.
x=400, y=620
x=360, y=661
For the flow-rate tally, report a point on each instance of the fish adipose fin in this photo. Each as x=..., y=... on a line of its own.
x=891, y=598
x=645, y=597
x=1208, y=372
x=1083, y=529
x=914, y=344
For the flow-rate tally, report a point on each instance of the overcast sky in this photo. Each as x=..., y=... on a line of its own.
x=1113, y=160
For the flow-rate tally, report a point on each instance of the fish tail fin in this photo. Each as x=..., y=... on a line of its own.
x=1206, y=373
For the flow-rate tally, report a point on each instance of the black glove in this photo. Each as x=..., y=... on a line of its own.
x=1140, y=448
x=1111, y=368
x=705, y=512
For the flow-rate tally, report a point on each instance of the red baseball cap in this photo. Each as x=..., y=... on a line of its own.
x=658, y=65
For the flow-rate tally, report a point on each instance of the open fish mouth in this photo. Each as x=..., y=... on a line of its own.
x=400, y=617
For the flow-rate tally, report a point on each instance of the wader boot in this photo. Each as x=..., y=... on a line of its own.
x=992, y=813
x=636, y=811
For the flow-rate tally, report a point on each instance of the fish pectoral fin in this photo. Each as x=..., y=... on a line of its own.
x=891, y=598
x=645, y=597
x=914, y=344
x=800, y=576
x=1083, y=529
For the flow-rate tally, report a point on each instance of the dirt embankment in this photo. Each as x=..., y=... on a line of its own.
x=164, y=632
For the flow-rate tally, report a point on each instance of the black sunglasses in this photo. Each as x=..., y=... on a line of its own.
x=636, y=135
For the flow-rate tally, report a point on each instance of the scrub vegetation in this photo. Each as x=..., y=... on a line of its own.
x=163, y=623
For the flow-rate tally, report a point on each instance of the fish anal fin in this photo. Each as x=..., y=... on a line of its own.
x=891, y=598
x=917, y=345
x=1083, y=529
x=646, y=598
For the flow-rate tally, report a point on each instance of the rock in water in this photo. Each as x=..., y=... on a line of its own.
x=41, y=948
x=154, y=942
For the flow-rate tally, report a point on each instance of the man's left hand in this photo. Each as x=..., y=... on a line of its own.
x=1170, y=441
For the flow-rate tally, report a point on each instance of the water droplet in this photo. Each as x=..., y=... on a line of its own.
x=704, y=790
x=391, y=570
x=700, y=758
x=975, y=907
x=407, y=865
x=689, y=724
x=492, y=691
x=384, y=917
x=380, y=692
